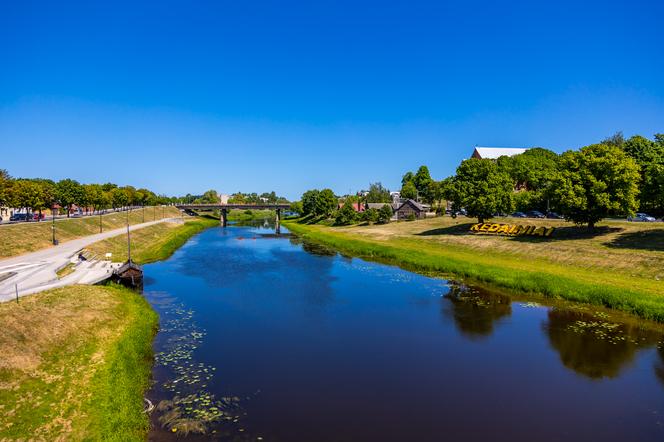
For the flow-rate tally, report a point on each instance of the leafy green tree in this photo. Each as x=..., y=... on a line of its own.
x=370, y=215
x=409, y=191
x=326, y=203
x=482, y=188
x=296, y=206
x=422, y=181
x=309, y=202
x=615, y=140
x=209, y=197
x=119, y=198
x=407, y=178
x=649, y=155
x=595, y=182
x=378, y=194
x=533, y=172
x=5, y=186
x=69, y=192
x=346, y=215
x=385, y=214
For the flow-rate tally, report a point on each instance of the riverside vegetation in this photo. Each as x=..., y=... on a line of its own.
x=78, y=369
x=618, y=265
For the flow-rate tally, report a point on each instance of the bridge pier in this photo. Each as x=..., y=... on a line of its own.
x=223, y=217
x=277, y=224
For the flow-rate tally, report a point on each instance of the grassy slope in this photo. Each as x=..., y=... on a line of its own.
x=152, y=243
x=16, y=239
x=78, y=369
x=622, y=267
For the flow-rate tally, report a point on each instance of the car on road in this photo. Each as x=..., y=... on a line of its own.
x=642, y=217
x=19, y=217
x=534, y=214
x=519, y=215
x=553, y=215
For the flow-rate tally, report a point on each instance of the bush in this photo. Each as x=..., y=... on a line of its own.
x=385, y=214
x=371, y=215
x=346, y=215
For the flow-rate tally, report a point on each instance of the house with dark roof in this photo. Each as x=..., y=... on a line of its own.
x=411, y=208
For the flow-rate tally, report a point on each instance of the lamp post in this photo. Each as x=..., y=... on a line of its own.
x=53, y=224
x=101, y=229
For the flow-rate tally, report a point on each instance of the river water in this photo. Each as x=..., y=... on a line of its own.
x=265, y=338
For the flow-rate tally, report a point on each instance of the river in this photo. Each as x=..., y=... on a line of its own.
x=266, y=338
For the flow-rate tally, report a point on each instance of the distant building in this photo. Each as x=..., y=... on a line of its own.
x=493, y=153
x=409, y=208
x=358, y=207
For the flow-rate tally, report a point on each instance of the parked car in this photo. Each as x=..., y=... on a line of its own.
x=553, y=215
x=642, y=217
x=38, y=216
x=19, y=217
x=519, y=215
x=534, y=214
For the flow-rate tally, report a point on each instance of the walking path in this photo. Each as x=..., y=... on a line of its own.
x=36, y=271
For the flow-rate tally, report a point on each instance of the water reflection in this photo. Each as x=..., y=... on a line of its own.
x=659, y=367
x=475, y=312
x=593, y=346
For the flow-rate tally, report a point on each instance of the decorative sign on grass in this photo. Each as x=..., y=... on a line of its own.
x=511, y=229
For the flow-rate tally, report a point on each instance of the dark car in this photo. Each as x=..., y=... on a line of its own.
x=19, y=217
x=642, y=217
x=519, y=215
x=553, y=215
x=534, y=214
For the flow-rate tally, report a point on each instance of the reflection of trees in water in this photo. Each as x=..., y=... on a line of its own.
x=474, y=312
x=592, y=346
x=318, y=249
x=659, y=367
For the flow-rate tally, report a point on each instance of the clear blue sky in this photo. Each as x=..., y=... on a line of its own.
x=257, y=96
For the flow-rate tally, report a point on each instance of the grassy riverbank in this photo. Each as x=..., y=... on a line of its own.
x=620, y=265
x=16, y=239
x=152, y=243
x=75, y=364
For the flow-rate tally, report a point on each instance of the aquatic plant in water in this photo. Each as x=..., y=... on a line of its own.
x=192, y=409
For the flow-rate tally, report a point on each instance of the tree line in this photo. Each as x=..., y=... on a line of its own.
x=37, y=194
x=615, y=177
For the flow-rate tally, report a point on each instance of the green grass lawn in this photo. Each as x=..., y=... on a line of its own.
x=620, y=265
x=16, y=239
x=75, y=364
x=152, y=243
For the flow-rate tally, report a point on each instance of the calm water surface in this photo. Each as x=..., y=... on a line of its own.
x=276, y=340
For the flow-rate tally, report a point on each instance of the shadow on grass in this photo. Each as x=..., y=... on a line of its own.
x=560, y=234
x=643, y=240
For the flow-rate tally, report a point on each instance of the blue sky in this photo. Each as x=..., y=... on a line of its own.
x=286, y=96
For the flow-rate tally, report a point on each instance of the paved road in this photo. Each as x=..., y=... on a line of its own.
x=36, y=271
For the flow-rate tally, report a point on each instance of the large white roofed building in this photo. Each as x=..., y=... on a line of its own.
x=493, y=153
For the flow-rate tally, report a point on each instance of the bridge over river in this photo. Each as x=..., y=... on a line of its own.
x=224, y=208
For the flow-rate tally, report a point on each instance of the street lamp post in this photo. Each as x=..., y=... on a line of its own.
x=53, y=224
x=101, y=228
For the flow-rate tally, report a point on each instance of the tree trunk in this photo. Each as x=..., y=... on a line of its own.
x=480, y=219
x=591, y=225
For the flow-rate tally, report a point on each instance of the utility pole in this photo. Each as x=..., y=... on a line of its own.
x=101, y=229
x=128, y=240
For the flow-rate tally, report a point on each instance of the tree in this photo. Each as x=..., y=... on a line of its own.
x=422, y=181
x=649, y=155
x=595, y=182
x=69, y=192
x=371, y=215
x=385, y=214
x=482, y=188
x=407, y=178
x=346, y=215
x=615, y=140
x=119, y=198
x=378, y=194
x=326, y=202
x=5, y=186
x=209, y=197
x=409, y=191
x=309, y=202
x=30, y=194
x=296, y=207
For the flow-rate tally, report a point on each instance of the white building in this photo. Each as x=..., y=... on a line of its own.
x=493, y=153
